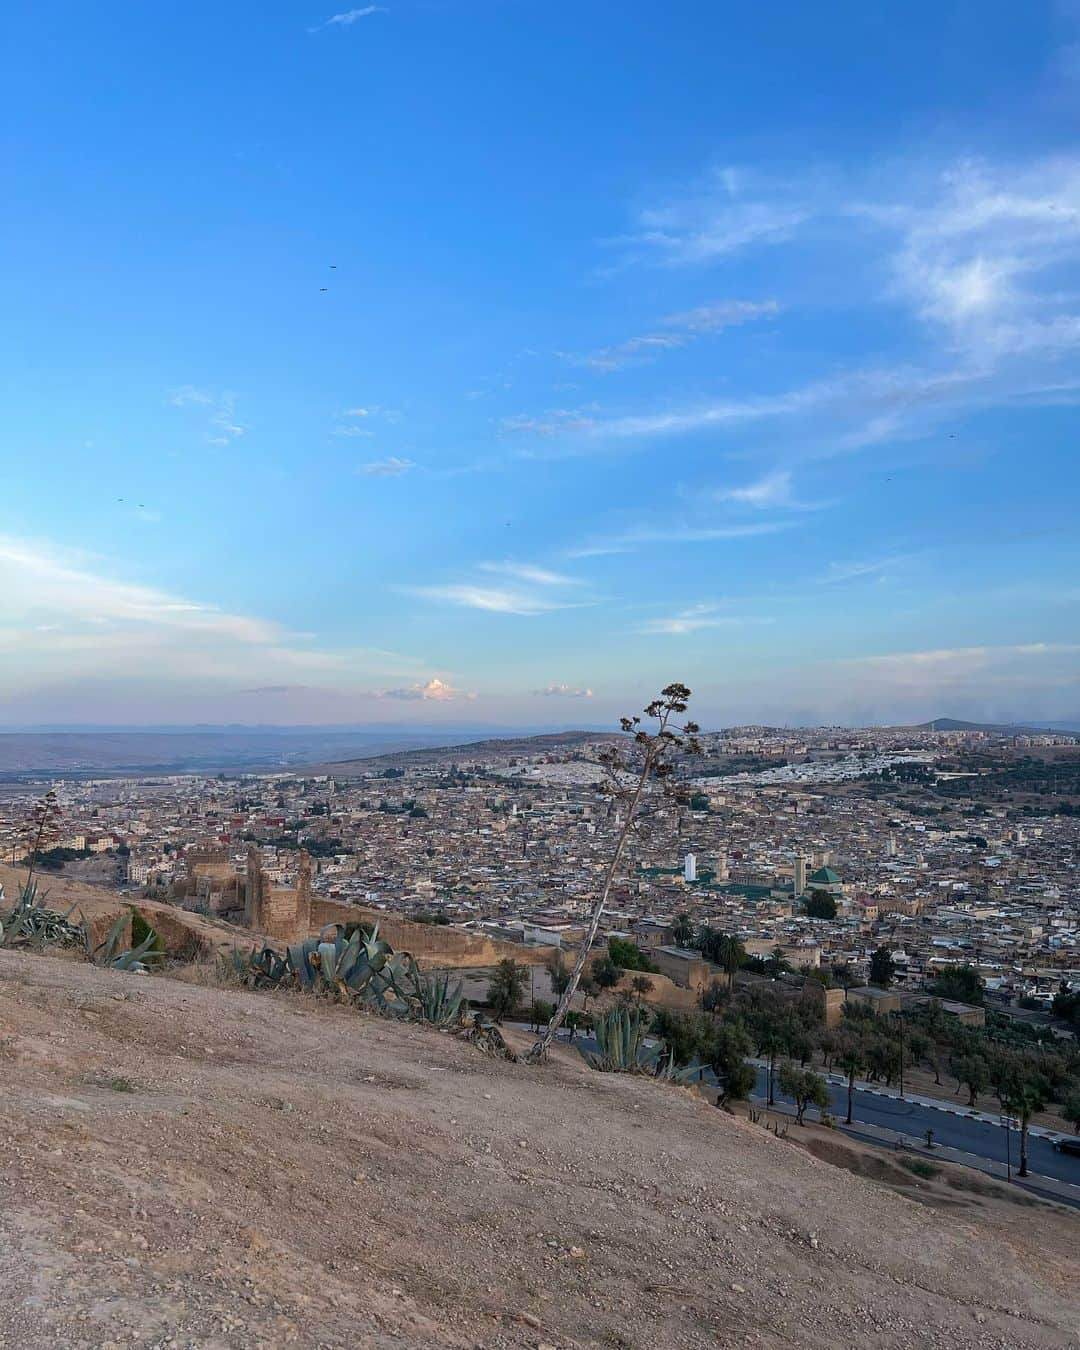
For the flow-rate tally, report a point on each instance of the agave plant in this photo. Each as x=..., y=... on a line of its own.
x=357, y=966
x=620, y=1033
x=620, y=1038
x=265, y=969
x=111, y=952
x=430, y=998
x=30, y=924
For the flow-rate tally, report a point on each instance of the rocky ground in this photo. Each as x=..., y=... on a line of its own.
x=183, y=1165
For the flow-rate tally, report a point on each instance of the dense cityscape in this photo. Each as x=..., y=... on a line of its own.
x=945, y=846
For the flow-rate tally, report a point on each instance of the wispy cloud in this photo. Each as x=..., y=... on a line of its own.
x=70, y=619
x=694, y=618
x=774, y=489
x=348, y=17
x=219, y=407
x=391, y=467
x=854, y=570
x=679, y=330
x=625, y=541
x=277, y=689
x=531, y=590
x=1019, y=665
x=724, y=214
x=984, y=255
x=554, y=422
x=562, y=691
x=540, y=576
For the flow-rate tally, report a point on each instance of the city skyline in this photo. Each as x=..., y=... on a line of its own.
x=468, y=364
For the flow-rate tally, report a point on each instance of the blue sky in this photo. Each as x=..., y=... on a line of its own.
x=500, y=361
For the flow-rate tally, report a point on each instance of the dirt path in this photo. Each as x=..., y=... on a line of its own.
x=287, y=1173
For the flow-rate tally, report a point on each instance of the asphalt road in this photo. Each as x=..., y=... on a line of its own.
x=976, y=1137
x=970, y=1136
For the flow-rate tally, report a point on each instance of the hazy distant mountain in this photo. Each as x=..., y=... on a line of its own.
x=998, y=729
x=116, y=753
x=505, y=747
x=68, y=754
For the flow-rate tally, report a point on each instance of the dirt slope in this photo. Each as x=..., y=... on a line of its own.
x=100, y=905
x=286, y=1173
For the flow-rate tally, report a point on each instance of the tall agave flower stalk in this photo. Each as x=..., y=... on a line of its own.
x=627, y=782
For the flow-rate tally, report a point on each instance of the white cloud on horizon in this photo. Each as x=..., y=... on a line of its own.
x=434, y=690
x=562, y=691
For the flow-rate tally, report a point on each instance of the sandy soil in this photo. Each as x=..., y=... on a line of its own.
x=283, y=1172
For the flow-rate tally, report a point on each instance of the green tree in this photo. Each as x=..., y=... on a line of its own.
x=685, y=1034
x=587, y=988
x=805, y=1088
x=682, y=930
x=821, y=905
x=715, y=996
x=540, y=1012
x=628, y=955
x=560, y=976
x=882, y=967
x=605, y=973
x=725, y=1051
x=971, y=1071
x=506, y=988
x=851, y=1056
x=1021, y=1094
x=962, y=984
x=1070, y=1109
x=641, y=985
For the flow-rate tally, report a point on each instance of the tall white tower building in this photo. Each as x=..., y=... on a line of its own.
x=690, y=868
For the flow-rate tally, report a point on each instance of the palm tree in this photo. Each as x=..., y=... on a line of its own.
x=682, y=930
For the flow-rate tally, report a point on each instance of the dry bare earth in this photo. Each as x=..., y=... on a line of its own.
x=290, y=1173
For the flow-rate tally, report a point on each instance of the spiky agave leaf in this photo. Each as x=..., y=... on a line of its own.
x=619, y=1035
